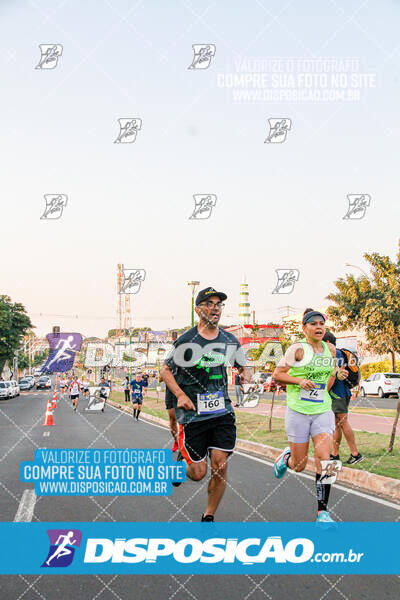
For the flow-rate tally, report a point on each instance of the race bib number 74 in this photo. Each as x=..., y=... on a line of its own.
x=210, y=403
x=314, y=395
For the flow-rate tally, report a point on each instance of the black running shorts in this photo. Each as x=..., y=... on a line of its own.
x=198, y=437
x=169, y=399
x=137, y=400
x=73, y=396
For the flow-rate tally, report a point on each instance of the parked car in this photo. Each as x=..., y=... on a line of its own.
x=43, y=383
x=382, y=384
x=10, y=390
x=37, y=372
x=15, y=386
x=26, y=384
x=4, y=391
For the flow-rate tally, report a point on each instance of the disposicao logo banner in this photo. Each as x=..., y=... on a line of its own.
x=201, y=548
x=62, y=351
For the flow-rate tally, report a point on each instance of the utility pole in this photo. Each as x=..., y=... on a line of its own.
x=193, y=285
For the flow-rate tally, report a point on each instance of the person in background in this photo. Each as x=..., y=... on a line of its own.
x=127, y=389
x=238, y=391
x=341, y=394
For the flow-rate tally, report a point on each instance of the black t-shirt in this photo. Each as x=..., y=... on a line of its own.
x=237, y=379
x=199, y=367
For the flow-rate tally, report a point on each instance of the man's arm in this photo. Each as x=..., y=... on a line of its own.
x=170, y=381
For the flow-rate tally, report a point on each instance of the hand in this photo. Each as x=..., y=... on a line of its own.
x=342, y=374
x=185, y=402
x=306, y=384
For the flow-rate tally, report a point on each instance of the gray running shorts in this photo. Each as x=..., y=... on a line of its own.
x=300, y=428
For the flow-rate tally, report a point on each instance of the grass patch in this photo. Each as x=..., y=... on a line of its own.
x=255, y=428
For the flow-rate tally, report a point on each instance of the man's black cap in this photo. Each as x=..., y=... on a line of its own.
x=207, y=292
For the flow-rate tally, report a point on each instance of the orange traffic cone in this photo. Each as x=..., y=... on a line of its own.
x=54, y=402
x=48, y=417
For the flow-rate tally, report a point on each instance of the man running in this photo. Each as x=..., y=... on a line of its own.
x=195, y=373
x=85, y=383
x=104, y=391
x=341, y=394
x=74, y=390
x=137, y=386
x=62, y=385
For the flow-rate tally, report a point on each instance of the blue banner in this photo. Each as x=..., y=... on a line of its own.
x=201, y=548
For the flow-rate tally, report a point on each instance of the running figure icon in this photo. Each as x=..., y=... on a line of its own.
x=62, y=549
x=64, y=346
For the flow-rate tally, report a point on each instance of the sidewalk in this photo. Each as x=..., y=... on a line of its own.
x=369, y=423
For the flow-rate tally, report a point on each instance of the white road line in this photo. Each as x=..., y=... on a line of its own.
x=46, y=433
x=348, y=490
x=26, y=506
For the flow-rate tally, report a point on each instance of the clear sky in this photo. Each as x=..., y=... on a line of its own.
x=279, y=205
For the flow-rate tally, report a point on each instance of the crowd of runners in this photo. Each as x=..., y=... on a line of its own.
x=201, y=415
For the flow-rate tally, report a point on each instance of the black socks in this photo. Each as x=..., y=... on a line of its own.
x=323, y=491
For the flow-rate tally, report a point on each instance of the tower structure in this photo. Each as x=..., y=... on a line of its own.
x=123, y=302
x=244, y=304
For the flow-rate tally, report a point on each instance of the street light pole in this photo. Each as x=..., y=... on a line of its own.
x=359, y=268
x=193, y=285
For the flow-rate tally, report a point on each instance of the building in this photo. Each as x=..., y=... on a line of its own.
x=264, y=333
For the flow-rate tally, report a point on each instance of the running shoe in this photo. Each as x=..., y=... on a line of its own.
x=333, y=457
x=354, y=459
x=207, y=518
x=324, y=517
x=280, y=466
x=180, y=458
x=175, y=446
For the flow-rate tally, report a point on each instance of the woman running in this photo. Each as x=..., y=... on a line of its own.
x=127, y=390
x=309, y=371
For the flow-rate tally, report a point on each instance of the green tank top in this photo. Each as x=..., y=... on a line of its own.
x=318, y=368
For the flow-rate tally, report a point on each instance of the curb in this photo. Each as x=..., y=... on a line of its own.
x=385, y=487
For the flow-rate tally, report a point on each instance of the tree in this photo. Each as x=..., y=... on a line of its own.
x=14, y=323
x=372, y=304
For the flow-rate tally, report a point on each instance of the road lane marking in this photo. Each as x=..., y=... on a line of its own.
x=348, y=490
x=26, y=506
x=46, y=433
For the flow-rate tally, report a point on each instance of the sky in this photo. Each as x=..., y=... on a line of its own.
x=279, y=205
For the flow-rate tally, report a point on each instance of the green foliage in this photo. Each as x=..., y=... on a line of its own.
x=14, y=323
x=372, y=304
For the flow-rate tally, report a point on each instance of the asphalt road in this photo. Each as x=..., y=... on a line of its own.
x=252, y=495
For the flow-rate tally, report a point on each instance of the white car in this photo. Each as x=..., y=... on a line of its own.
x=4, y=391
x=10, y=389
x=15, y=386
x=382, y=384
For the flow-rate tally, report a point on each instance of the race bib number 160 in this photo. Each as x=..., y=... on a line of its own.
x=210, y=403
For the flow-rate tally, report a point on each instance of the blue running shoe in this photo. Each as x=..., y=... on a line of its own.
x=280, y=466
x=324, y=517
